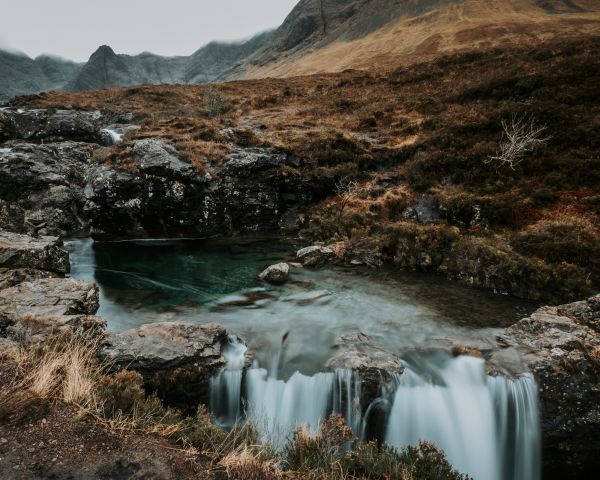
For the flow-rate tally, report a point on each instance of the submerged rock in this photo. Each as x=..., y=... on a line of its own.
x=377, y=367
x=314, y=256
x=276, y=274
x=25, y=252
x=561, y=347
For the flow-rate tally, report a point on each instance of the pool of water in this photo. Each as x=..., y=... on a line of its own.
x=217, y=281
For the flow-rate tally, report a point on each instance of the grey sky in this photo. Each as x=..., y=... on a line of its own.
x=75, y=28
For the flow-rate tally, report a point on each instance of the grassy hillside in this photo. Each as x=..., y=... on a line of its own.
x=421, y=138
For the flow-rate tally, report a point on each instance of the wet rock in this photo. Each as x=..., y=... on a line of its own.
x=41, y=187
x=42, y=253
x=48, y=297
x=561, y=347
x=176, y=360
x=156, y=157
x=50, y=125
x=307, y=298
x=276, y=274
x=377, y=367
x=314, y=256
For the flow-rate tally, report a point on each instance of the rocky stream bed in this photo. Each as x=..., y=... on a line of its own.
x=51, y=186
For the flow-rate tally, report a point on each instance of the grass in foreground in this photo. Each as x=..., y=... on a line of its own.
x=64, y=370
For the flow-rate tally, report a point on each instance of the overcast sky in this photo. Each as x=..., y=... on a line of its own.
x=75, y=28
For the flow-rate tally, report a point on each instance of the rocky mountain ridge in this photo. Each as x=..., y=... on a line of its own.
x=319, y=36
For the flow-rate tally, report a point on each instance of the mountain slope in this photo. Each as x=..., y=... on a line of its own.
x=213, y=60
x=333, y=35
x=20, y=74
x=106, y=69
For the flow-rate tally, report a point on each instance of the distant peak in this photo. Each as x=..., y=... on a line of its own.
x=104, y=50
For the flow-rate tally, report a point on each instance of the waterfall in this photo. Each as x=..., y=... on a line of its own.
x=114, y=136
x=486, y=426
x=226, y=388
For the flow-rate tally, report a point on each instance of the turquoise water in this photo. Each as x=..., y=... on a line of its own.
x=217, y=281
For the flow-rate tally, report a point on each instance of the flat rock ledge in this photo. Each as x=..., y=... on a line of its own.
x=378, y=368
x=561, y=347
x=177, y=360
x=42, y=253
x=42, y=300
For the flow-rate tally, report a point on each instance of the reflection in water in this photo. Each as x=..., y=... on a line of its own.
x=487, y=426
x=217, y=281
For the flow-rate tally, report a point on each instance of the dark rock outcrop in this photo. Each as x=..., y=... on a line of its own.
x=561, y=347
x=41, y=187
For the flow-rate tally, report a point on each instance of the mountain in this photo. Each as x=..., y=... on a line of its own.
x=20, y=74
x=215, y=59
x=320, y=36
x=106, y=69
x=333, y=35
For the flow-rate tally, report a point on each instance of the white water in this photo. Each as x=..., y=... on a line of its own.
x=487, y=426
x=114, y=136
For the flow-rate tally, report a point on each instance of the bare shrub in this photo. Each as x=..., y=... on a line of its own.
x=521, y=136
x=215, y=102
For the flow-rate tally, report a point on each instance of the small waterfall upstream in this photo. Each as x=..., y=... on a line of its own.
x=487, y=426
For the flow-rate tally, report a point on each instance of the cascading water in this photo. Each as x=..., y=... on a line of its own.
x=226, y=387
x=488, y=427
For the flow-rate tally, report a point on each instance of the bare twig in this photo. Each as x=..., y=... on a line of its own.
x=521, y=136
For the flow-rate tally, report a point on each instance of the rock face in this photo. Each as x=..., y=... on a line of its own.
x=176, y=359
x=276, y=274
x=43, y=253
x=315, y=256
x=47, y=297
x=163, y=195
x=60, y=188
x=377, y=367
x=561, y=347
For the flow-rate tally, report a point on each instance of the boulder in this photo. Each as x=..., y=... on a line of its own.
x=276, y=274
x=156, y=157
x=43, y=253
x=177, y=360
x=561, y=347
x=314, y=256
x=47, y=297
x=377, y=367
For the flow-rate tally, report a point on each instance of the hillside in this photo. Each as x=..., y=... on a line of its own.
x=20, y=74
x=330, y=35
x=418, y=141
